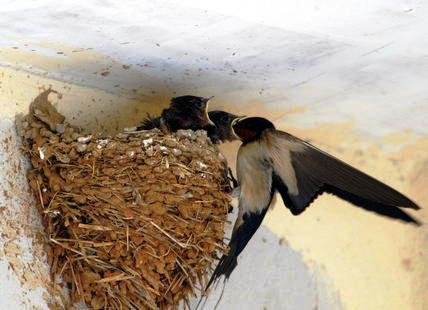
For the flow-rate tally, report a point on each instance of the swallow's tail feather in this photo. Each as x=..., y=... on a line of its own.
x=240, y=238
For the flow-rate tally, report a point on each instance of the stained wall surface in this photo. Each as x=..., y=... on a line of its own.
x=348, y=76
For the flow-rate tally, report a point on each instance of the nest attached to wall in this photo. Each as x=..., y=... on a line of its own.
x=132, y=221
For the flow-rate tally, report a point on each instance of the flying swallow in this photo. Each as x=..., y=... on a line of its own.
x=184, y=112
x=271, y=161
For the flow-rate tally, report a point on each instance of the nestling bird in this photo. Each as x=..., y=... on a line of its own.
x=190, y=112
x=184, y=112
x=270, y=160
x=221, y=131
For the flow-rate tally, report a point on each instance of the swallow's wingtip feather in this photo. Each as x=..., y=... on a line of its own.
x=406, y=202
x=414, y=206
x=416, y=222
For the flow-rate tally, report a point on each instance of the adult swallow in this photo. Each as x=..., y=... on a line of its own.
x=270, y=161
x=184, y=112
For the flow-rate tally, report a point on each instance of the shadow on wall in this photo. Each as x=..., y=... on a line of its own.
x=278, y=279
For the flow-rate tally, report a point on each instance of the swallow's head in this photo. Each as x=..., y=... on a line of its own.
x=191, y=109
x=250, y=128
x=222, y=129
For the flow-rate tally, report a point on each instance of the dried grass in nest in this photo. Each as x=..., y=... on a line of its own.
x=133, y=221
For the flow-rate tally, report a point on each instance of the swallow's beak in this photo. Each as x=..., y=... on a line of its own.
x=236, y=120
x=210, y=122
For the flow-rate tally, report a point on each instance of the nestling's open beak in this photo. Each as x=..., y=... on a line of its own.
x=238, y=119
x=206, y=111
x=233, y=124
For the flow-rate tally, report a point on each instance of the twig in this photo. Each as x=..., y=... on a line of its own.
x=184, y=246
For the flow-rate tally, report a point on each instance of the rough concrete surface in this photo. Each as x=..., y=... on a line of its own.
x=24, y=274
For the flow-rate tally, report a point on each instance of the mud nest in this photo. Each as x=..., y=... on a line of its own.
x=132, y=221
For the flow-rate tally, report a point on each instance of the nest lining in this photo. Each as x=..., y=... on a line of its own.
x=132, y=221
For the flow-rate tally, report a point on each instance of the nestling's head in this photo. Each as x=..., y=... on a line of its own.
x=200, y=103
x=250, y=128
x=222, y=130
x=188, y=112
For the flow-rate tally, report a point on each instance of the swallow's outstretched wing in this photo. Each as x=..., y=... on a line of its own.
x=302, y=172
x=256, y=193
